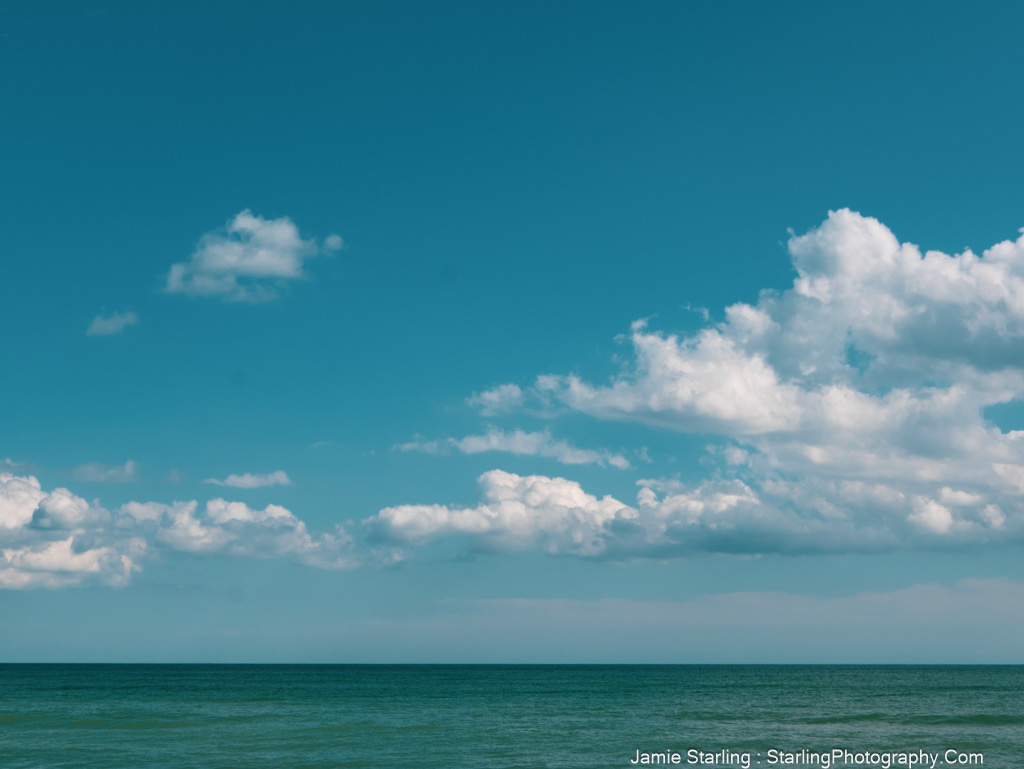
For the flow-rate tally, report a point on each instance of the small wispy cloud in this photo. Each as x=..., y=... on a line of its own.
x=247, y=261
x=501, y=400
x=519, y=442
x=704, y=312
x=253, y=480
x=109, y=325
x=99, y=472
x=10, y=466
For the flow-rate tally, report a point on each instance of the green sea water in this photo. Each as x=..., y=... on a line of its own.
x=306, y=716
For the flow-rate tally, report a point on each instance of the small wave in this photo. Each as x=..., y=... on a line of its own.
x=18, y=718
x=984, y=719
x=856, y=718
x=980, y=719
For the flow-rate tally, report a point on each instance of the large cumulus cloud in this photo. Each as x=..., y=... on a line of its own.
x=517, y=512
x=848, y=408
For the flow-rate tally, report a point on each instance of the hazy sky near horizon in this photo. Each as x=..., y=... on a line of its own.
x=514, y=332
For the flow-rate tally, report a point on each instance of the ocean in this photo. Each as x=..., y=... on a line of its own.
x=523, y=716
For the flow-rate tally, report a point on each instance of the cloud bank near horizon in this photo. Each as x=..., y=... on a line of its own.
x=55, y=538
x=920, y=623
x=847, y=415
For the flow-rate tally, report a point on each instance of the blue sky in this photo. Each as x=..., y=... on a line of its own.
x=511, y=332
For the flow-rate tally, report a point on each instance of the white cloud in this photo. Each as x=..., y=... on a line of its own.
x=111, y=324
x=930, y=515
x=98, y=472
x=670, y=519
x=61, y=561
x=9, y=465
x=56, y=539
x=61, y=509
x=850, y=405
x=19, y=498
x=521, y=443
x=517, y=512
x=247, y=261
x=705, y=384
x=182, y=530
x=786, y=364
x=234, y=528
x=253, y=480
x=500, y=400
